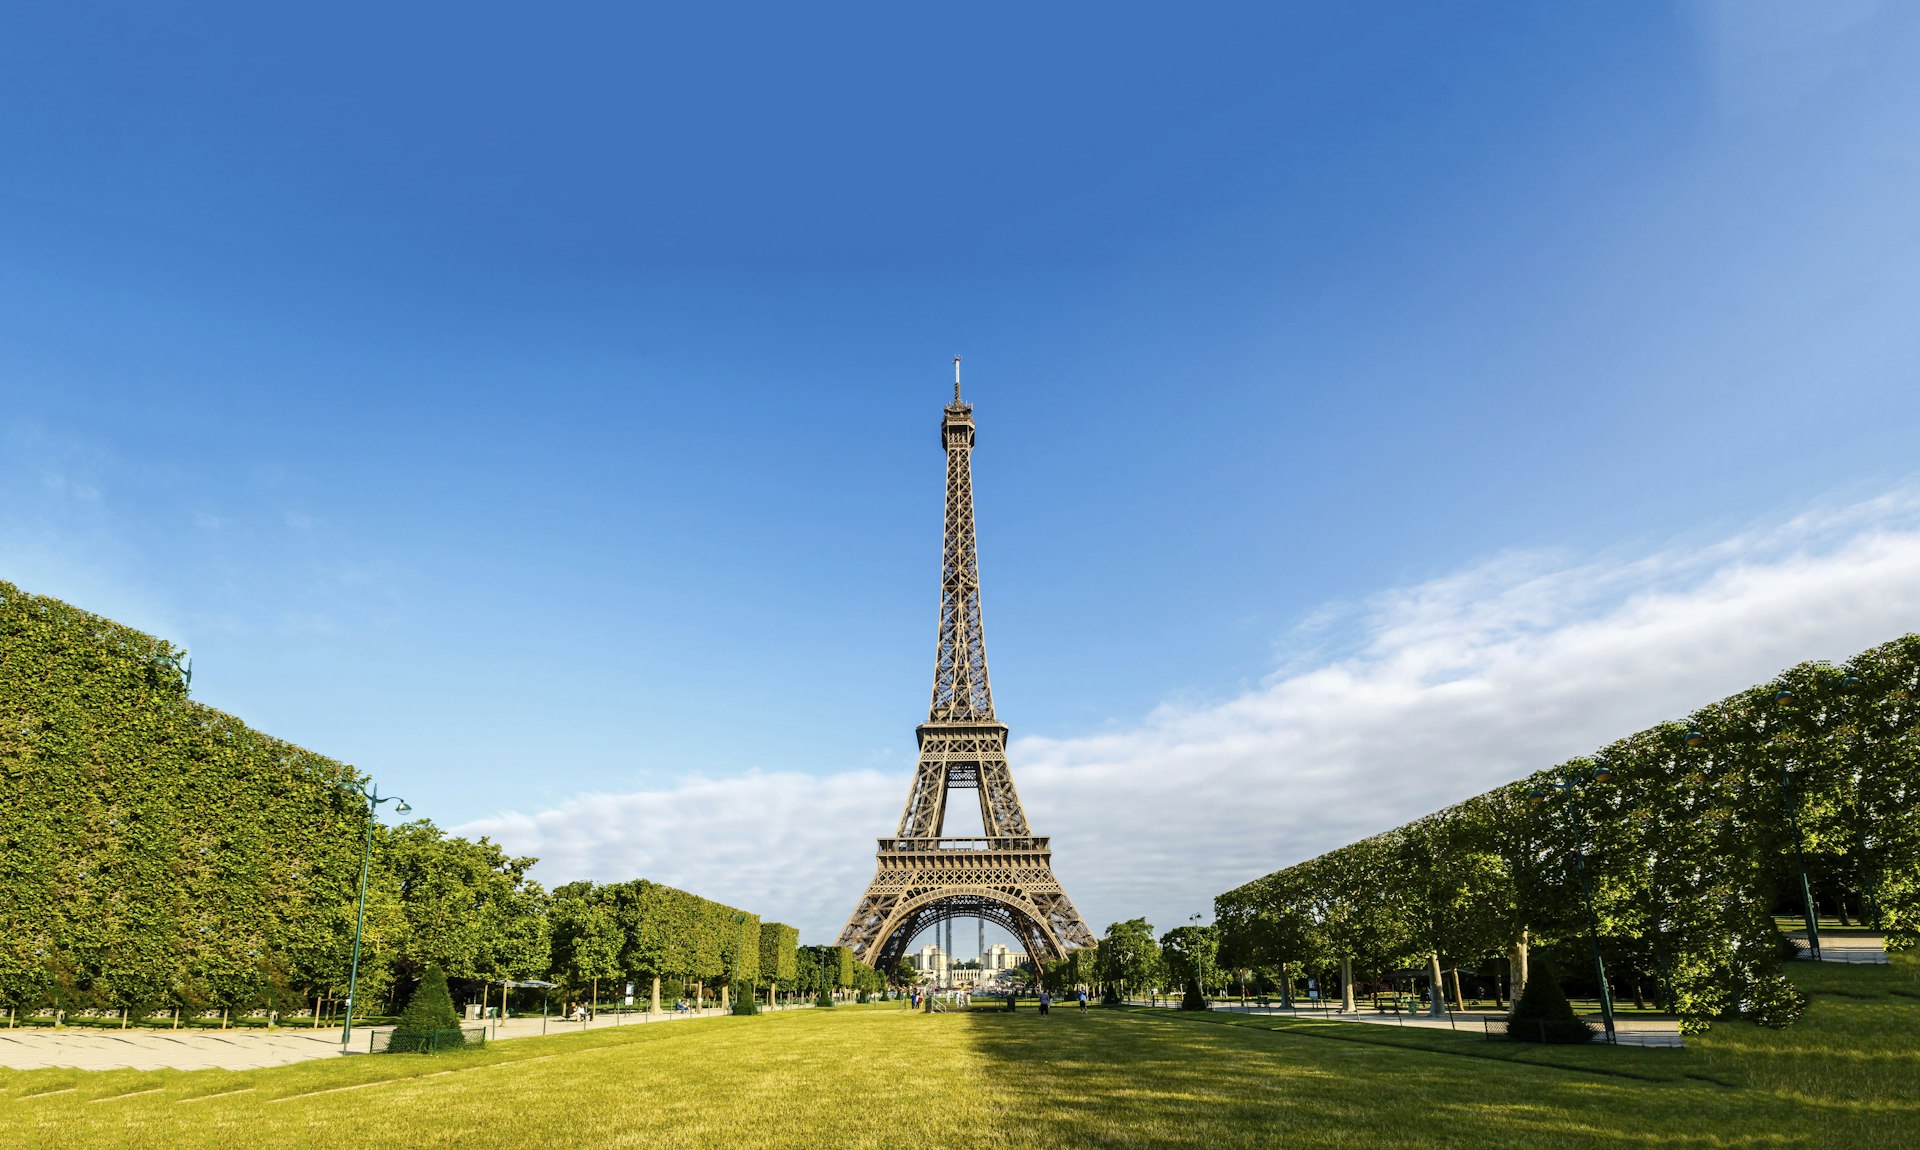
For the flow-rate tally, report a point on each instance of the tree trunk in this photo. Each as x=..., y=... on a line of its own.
x=1517, y=970
x=656, y=994
x=1437, y=1006
x=726, y=997
x=1286, y=986
x=1346, y=985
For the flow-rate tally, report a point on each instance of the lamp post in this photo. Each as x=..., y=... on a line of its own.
x=1571, y=788
x=374, y=799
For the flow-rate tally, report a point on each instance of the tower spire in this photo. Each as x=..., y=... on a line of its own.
x=960, y=690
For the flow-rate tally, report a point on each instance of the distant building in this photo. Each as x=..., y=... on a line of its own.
x=939, y=970
x=931, y=962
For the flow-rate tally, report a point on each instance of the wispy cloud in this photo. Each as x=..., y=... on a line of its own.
x=1435, y=692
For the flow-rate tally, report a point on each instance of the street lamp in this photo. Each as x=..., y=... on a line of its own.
x=374, y=799
x=1571, y=788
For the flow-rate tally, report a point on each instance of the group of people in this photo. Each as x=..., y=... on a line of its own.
x=917, y=998
x=582, y=1013
x=1046, y=1001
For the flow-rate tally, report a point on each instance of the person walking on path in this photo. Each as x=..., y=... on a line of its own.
x=1046, y=1000
x=1083, y=1000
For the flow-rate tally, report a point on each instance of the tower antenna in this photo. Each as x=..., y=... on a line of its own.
x=956, y=381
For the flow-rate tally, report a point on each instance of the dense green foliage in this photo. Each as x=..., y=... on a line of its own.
x=822, y=970
x=1079, y=969
x=1127, y=960
x=157, y=854
x=779, y=946
x=153, y=852
x=1687, y=832
x=1192, y=958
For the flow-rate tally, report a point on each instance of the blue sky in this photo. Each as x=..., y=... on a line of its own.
x=529, y=406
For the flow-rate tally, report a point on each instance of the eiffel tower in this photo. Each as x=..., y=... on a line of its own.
x=925, y=879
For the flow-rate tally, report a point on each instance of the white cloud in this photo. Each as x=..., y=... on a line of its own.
x=1446, y=688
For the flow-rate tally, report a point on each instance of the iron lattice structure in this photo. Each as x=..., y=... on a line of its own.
x=1006, y=876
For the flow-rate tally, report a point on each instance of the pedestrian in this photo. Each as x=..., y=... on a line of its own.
x=1083, y=1000
x=1046, y=1000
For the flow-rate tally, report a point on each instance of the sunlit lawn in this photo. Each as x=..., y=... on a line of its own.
x=1848, y=1076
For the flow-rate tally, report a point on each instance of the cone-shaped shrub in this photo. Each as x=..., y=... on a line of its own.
x=1543, y=1013
x=428, y=1012
x=744, y=1001
x=1193, y=999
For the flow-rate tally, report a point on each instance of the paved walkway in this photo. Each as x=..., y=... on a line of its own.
x=84, y=1048
x=1866, y=949
x=1627, y=1031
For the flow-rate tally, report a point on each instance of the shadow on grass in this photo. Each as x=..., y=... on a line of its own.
x=1136, y=1077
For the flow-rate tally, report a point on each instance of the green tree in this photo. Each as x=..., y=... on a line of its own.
x=779, y=944
x=1191, y=954
x=1543, y=1013
x=1129, y=959
x=586, y=938
x=428, y=1018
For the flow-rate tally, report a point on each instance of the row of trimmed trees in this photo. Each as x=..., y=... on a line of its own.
x=1685, y=840
x=1129, y=962
x=158, y=855
x=655, y=936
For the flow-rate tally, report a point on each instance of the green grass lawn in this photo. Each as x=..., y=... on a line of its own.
x=1847, y=1077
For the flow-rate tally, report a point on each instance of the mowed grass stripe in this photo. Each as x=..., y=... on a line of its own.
x=211, y=1097
x=128, y=1094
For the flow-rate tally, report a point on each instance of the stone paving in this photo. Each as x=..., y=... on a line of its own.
x=1868, y=949
x=87, y=1048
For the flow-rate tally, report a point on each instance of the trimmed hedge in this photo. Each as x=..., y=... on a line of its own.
x=157, y=854
x=1688, y=845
